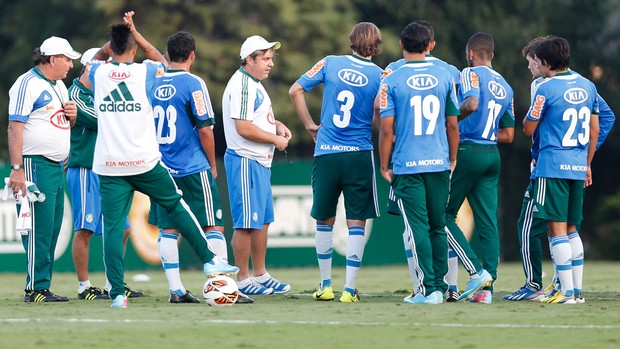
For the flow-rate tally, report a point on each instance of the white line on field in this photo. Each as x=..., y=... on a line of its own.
x=342, y=323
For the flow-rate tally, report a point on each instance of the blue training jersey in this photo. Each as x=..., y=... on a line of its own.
x=563, y=105
x=419, y=95
x=350, y=87
x=181, y=105
x=495, y=103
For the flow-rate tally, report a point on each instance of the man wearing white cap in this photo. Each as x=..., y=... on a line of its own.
x=40, y=116
x=252, y=134
x=83, y=184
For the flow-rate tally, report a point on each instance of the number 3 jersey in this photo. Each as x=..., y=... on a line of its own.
x=563, y=105
x=495, y=105
x=126, y=143
x=419, y=95
x=181, y=105
x=350, y=87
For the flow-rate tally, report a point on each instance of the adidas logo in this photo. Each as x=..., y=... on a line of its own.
x=535, y=209
x=119, y=100
x=353, y=257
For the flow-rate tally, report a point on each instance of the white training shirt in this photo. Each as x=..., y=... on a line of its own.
x=38, y=103
x=245, y=98
x=126, y=139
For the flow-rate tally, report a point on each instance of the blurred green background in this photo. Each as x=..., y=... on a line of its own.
x=311, y=29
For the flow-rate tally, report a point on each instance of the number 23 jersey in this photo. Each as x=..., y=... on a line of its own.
x=350, y=86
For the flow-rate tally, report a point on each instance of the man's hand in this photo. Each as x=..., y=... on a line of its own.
x=282, y=130
x=128, y=19
x=387, y=174
x=281, y=142
x=17, y=182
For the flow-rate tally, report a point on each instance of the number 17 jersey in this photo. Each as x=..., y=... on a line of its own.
x=350, y=86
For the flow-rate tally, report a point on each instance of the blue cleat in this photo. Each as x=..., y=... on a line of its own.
x=525, y=294
x=251, y=287
x=219, y=266
x=120, y=302
x=419, y=298
x=475, y=283
x=268, y=281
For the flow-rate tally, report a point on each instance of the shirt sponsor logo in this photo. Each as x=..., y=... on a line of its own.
x=537, y=107
x=199, y=101
x=424, y=162
x=497, y=90
x=352, y=77
x=422, y=82
x=578, y=168
x=575, y=95
x=165, y=92
x=383, y=97
x=119, y=100
x=386, y=73
x=475, y=82
x=119, y=75
x=60, y=121
x=338, y=147
x=317, y=67
x=127, y=163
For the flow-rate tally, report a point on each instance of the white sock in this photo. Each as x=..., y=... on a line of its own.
x=83, y=285
x=355, y=252
x=324, y=249
x=169, y=254
x=217, y=243
x=411, y=262
x=452, y=278
x=576, y=246
x=555, y=279
x=561, y=250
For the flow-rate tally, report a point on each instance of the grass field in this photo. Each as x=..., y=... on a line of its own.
x=296, y=321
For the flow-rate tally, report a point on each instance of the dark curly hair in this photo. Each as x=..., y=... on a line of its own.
x=121, y=39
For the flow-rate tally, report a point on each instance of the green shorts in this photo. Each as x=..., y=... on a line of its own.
x=201, y=194
x=353, y=175
x=558, y=200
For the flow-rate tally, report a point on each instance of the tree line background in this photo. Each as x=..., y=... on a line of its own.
x=312, y=29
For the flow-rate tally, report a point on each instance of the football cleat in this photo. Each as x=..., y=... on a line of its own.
x=437, y=297
x=347, y=297
x=419, y=298
x=120, y=302
x=270, y=282
x=525, y=294
x=252, y=287
x=219, y=266
x=407, y=298
x=43, y=296
x=483, y=296
x=452, y=295
x=324, y=294
x=558, y=298
x=579, y=298
x=188, y=297
x=244, y=299
x=475, y=283
x=128, y=292
x=552, y=286
x=92, y=293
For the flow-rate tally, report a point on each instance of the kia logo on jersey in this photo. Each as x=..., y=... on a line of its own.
x=575, y=95
x=422, y=82
x=60, y=120
x=165, y=92
x=353, y=77
x=119, y=75
x=497, y=90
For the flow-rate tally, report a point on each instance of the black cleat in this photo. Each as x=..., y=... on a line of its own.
x=128, y=292
x=188, y=297
x=43, y=296
x=243, y=299
x=452, y=296
x=93, y=293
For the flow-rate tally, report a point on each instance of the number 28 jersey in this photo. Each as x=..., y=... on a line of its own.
x=350, y=87
x=181, y=105
x=563, y=105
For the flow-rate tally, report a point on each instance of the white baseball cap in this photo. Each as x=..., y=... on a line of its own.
x=88, y=55
x=255, y=43
x=58, y=46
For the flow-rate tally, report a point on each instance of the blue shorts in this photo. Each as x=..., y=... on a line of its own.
x=83, y=186
x=249, y=192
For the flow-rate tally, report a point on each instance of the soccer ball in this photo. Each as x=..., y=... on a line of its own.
x=220, y=291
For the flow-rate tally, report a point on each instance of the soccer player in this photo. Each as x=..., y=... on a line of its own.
x=452, y=295
x=343, y=154
x=83, y=184
x=531, y=230
x=565, y=110
x=418, y=105
x=184, y=121
x=40, y=116
x=486, y=119
x=252, y=134
x=127, y=155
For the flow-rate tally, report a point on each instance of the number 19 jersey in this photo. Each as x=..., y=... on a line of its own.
x=181, y=105
x=420, y=96
x=350, y=86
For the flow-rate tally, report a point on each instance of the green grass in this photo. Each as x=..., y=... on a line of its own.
x=296, y=321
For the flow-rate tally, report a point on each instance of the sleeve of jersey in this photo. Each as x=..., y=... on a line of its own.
x=508, y=119
x=470, y=84
x=242, y=99
x=21, y=101
x=86, y=112
x=452, y=105
x=386, y=100
x=202, y=109
x=606, y=120
x=537, y=107
x=94, y=65
x=154, y=70
x=314, y=76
